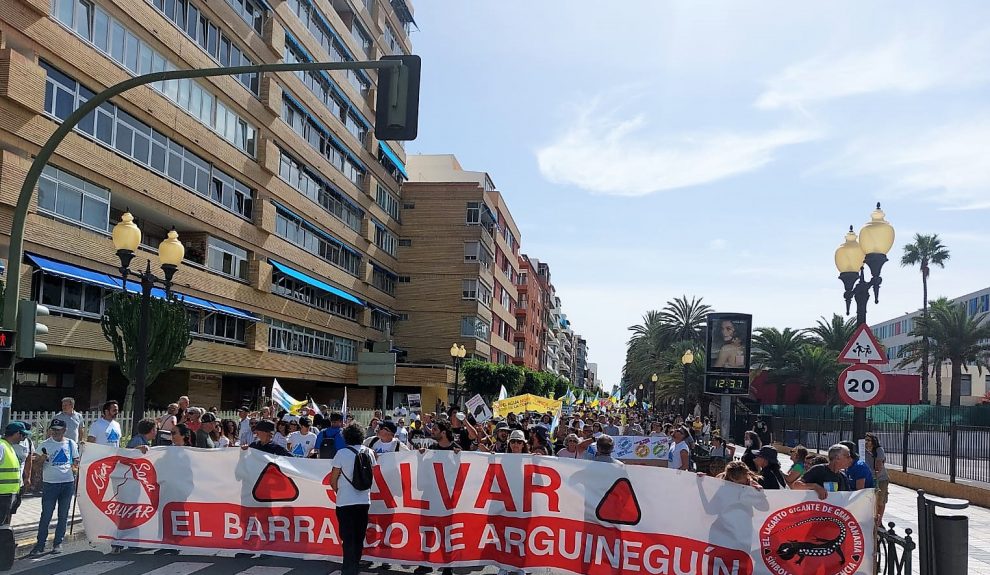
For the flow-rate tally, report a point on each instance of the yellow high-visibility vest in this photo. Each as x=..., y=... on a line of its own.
x=10, y=470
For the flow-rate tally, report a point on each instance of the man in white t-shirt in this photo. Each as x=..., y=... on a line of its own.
x=386, y=441
x=245, y=434
x=105, y=430
x=301, y=443
x=352, y=504
x=60, y=455
x=73, y=419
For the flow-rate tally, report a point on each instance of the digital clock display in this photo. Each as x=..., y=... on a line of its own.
x=725, y=384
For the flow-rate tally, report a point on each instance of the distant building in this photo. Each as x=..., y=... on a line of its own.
x=894, y=334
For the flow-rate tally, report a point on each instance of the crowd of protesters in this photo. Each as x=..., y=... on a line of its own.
x=587, y=434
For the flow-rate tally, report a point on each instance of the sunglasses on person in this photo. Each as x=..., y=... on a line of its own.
x=516, y=441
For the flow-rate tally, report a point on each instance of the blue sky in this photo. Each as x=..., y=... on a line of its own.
x=649, y=149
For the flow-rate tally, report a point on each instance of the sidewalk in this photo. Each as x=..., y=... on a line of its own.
x=25, y=522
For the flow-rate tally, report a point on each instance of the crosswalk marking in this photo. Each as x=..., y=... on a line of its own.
x=179, y=568
x=95, y=568
x=266, y=570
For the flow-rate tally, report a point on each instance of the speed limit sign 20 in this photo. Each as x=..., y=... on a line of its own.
x=861, y=385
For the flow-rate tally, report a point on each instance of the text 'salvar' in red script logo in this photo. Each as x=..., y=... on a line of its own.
x=124, y=489
x=812, y=537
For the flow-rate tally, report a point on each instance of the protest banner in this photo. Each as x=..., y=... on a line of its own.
x=477, y=407
x=523, y=403
x=641, y=447
x=467, y=509
x=414, y=402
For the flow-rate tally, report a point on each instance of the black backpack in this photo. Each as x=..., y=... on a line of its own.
x=362, y=475
x=327, y=445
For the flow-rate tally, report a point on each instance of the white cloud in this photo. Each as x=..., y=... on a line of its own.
x=947, y=164
x=908, y=63
x=717, y=244
x=621, y=157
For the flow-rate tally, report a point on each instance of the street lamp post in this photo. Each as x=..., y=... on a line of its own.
x=875, y=240
x=457, y=353
x=127, y=238
x=642, y=395
x=653, y=394
x=686, y=360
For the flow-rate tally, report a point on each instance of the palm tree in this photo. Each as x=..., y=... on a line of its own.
x=776, y=352
x=644, y=350
x=818, y=369
x=925, y=252
x=958, y=337
x=832, y=334
x=686, y=320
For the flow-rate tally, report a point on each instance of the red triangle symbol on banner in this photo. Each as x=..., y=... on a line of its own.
x=619, y=505
x=273, y=485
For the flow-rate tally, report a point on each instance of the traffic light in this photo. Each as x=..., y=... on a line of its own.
x=397, y=102
x=28, y=329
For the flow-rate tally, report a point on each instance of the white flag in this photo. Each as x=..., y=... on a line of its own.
x=343, y=405
x=314, y=407
x=283, y=399
x=502, y=394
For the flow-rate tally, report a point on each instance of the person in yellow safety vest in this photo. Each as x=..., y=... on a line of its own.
x=10, y=468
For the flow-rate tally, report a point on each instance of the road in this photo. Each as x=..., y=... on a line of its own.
x=80, y=558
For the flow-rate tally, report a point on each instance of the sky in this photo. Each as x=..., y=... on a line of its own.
x=718, y=149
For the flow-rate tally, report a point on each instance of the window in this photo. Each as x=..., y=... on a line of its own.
x=509, y=239
x=405, y=243
x=311, y=18
x=138, y=57
x=520, y=349
x=381, y=321
x=473, y=213
x=404, y=279
x=523, y=300
x=251, y=11
x=473, y=326
x=385, y=239
x=218, y=45
x=383, y=279
x=133, y=139
x=471, y=250
x=387, y=202
x=218, y=327
x=507, y=301
x=305, y=235
x=320, y=140
x=521, y=280
x=328, y=92
x=297, y=340
x=966, y=385
x=391, y=42
x=469, y=289
x=68, y=197
x=306, y=294
x=332, y=200
x=362, y=37
x=226, y=258
x=409, y=206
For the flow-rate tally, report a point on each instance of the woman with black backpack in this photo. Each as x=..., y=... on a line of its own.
x=354, y=463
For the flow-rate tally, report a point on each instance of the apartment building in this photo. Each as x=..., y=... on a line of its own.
x=894, y=334
x=531, y=313
x=288, y=207
x=458, y=264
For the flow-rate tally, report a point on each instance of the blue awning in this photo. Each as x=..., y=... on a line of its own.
x=321, y=285
x=393, y=158
x=107, y=281
x=73, y=272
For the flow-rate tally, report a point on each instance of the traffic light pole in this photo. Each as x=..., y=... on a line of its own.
x=16, y=251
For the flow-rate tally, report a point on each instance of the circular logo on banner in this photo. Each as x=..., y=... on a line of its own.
x=812, y=537
x=859, y=385
x=123, y=489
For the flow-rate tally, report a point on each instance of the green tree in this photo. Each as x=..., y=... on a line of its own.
x=685, y=320
x=960, y=338
x=818, y=369
x=832, y=334
x=924, y=252
x=776, y=352
x=168, y=336
x=486, y=379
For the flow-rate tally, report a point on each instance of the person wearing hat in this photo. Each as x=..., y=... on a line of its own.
x=264, y=430
x=574, y=448
x=859, y=473
x=501, y=441
x=207, y=422
x=385, y=440
x=517, y=442
x=768, y=468
x=59, y=455
x=10, y=469
x=302, y=441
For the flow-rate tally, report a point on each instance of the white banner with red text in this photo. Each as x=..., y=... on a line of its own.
x=466, y=509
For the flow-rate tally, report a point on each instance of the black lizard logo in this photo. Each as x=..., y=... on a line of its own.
x=820, y=547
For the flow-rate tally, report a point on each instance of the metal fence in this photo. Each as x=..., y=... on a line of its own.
x=959, y=451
